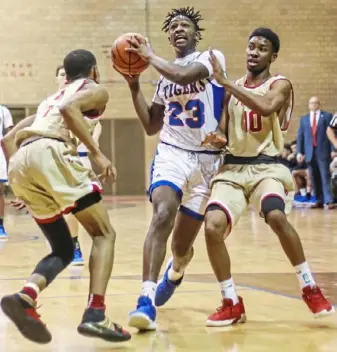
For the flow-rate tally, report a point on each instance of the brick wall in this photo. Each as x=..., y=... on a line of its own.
x=36, y=34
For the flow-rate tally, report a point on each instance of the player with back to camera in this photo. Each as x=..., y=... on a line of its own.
x=255, y=118
x=48, y=176
x=96, y=130
x=186, y=106
x=82, y=150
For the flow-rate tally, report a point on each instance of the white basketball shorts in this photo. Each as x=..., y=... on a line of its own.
x=3, y=168
x=188, y=173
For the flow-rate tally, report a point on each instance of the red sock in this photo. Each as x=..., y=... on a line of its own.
x=96, y=301
x=29, y=291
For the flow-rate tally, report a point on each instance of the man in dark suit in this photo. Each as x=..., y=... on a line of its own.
x=314, y=147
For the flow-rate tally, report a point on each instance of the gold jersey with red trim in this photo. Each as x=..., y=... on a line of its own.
x=249, y=133
x=49, y=121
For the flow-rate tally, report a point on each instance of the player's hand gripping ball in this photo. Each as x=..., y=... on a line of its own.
x=128, y=62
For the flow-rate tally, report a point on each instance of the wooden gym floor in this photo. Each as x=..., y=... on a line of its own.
x=277, y=318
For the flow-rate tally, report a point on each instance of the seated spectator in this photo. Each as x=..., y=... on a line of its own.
x=301, y=176
x=284, y=155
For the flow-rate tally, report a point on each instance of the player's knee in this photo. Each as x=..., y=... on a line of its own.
x=102, y=229
x=216, y=224
x=164, y=215
x=272, y=209
x=67, y=254
x=272, y=203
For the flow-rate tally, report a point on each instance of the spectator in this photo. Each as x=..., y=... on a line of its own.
x=301, y=177
x=6, y=123
x=285, y=154
x=315, y=149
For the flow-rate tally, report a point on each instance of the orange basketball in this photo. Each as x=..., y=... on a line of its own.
x=126, y=62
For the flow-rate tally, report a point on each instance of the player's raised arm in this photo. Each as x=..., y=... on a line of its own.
x=72, y=109
x=265, y=105
x=178, y=74
x=152, y=116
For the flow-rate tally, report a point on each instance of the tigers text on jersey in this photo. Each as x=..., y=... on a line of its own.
x=193, y=110
x=249, y=133
x=49, y=121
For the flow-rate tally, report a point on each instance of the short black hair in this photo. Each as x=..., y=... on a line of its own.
x=78, y=63
x=268, y=34
x=293, y=142
x=58, y=68
x=189, y=12
x=287, y=146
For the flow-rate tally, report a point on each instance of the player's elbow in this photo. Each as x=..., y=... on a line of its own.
x=151, y=131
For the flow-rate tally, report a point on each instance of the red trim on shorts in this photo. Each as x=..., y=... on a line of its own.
x=49, y=220
x=226, y=211
x=272, y=195
x=95, y=188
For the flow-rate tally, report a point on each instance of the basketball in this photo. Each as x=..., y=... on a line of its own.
x=126, y=62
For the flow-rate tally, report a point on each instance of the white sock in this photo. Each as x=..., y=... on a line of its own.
x=227, y=288
x=174, y=275
x=304, y=275
x=303, y=191
x=149, y=289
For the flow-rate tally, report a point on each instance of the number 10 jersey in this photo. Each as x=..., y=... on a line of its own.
x=193, y=110
x=249, y=133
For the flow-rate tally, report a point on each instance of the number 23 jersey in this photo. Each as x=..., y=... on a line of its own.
x=193, y=110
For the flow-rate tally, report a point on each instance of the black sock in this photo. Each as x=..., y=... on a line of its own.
x=1, y=221
x=308, y=195
x=76, y=243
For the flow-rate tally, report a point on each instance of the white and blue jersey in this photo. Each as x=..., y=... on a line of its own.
x=191, y=112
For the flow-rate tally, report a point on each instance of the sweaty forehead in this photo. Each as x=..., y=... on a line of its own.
x=261, y=41
x=180, y=18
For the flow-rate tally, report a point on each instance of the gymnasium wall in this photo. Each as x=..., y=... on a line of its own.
x=36, y=35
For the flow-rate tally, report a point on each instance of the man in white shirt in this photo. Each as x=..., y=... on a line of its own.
x=6, y=123
x=314, y=147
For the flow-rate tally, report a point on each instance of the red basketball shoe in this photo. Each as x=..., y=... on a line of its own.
x=316, y=302
x=228, y=314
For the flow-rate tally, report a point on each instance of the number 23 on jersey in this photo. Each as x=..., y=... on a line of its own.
x=195, y=108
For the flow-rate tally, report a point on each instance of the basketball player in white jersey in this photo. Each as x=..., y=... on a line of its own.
x=83, y=154
x=48, y=176
x=186, y=106
x=6, y=123
x=258, y=112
